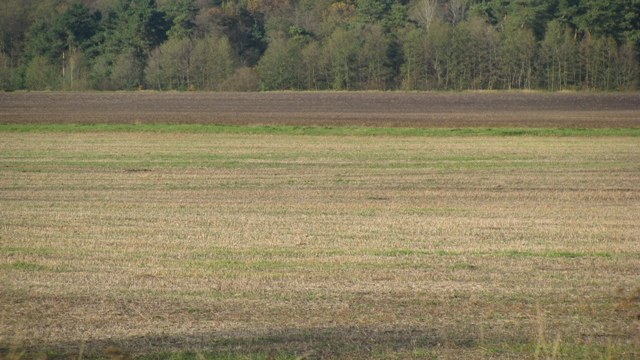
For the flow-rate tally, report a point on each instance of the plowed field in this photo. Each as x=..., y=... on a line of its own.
x=469, y=109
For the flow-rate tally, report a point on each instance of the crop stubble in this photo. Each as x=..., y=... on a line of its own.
x=319, y=246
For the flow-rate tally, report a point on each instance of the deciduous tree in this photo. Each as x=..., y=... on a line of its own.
x=415, y=69
x=342, y=50
x=279, y=68
x=517, y=59
x=169, y=66
x=425, y=12
x=213, y=62
x=42, y=75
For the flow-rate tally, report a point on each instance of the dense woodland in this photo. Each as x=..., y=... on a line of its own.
x=247, y=45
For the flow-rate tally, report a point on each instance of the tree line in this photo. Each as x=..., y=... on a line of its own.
x=247, y=45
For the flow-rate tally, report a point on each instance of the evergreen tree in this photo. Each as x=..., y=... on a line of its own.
x=133, y=29
x=182, y=17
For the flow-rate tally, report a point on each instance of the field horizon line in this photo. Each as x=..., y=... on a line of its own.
x=320, y=130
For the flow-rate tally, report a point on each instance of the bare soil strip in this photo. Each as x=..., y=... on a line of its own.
x=397, y=109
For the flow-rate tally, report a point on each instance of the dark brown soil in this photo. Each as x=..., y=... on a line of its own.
x=467, y=109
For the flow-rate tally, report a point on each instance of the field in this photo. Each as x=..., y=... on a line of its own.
x=229, y=242
x=448, y=110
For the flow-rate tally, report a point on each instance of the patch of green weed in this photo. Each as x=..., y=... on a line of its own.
x=24, y=266
x=463, y=266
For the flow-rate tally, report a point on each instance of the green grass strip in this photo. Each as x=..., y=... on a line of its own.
x=317, y=130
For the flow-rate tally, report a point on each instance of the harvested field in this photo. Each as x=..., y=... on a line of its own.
x=238, y=245
x=467, y=109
